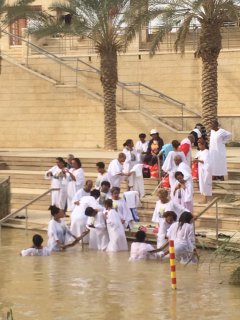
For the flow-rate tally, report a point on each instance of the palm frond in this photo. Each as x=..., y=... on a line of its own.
x=182, y=33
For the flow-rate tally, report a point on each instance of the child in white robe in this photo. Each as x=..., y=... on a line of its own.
x=204, y=172
x=58, y=232
x=183, y=191
x=169, y=217
x=182, y=232
x=122, y=209
x=37, y=249
x=141, y=250
x=78, y=217
x=117, y=237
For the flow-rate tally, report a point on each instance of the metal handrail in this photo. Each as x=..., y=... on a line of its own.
x=214, y=201
x=26, y=206
x=122, y=85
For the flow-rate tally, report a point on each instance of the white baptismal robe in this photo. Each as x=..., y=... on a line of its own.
x=217, y=151
x=169, y=165
x=204, y=172
x=74, y=186
x=115, y=168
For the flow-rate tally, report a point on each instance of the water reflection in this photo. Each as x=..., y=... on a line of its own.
x=79, y=285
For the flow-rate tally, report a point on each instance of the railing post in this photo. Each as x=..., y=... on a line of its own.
x=26, y=219
x=122, y=97
x=216, y=220
x=182, y=117
x=77, y=73
x=139, y=96
x=60, y=73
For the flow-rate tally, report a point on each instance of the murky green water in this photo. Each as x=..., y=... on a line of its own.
x=95, y=285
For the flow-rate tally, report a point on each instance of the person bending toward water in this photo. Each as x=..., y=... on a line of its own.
x=58, y=232
x=141, y=250
x=116, y=232
x=37, y=249
x=182, y=233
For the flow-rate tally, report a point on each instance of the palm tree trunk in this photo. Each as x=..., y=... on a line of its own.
x=109, y=80
x=209, y=91
x=209, y=49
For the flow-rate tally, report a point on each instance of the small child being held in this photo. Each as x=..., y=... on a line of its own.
x=37, y=249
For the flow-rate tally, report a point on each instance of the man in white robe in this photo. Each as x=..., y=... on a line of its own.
x=115, y=170
x=217, y=150
x=183, y=191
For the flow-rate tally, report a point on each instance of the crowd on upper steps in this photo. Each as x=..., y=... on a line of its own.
x=100, y=216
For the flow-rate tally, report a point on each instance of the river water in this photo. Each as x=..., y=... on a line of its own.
x=76, y=285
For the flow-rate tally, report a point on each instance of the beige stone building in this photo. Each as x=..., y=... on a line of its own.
x=51, y=96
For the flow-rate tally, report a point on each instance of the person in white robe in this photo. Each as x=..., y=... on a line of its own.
x=76, y=179
x=186, y=147
x=169, y=217
x=115, y=170
x=102, y=174
x=165, y=204
x=117, y=237
x=78, y=217
x=122, y=209
x=183, y=167
x=141, y=250
x=58, y=232
x=137, y=179
x=204, y=172
x=98, y=236
x=105, y=192
x=141, y=147
x=57, y=175
x=133, y=202
x=130, y=161
x=182, y=233
x=182, y=192
x=169, y=165
x=85, y=191
x=217, y=151
x=37, y=249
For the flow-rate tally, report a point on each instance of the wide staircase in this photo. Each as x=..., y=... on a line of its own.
x=27, y=182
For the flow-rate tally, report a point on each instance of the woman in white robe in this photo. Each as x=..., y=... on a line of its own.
x=169, y=165
x=130, y=161
x=182, y=232
x=57, y=175
x=204, y=172
x=117, y=237
x=58, y=232
x=76, y=179
x=217, y=151
x=122, y=209
x=141, y=250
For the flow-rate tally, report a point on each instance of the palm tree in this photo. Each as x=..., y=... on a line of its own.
x=210, y=16
x=102, y=21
